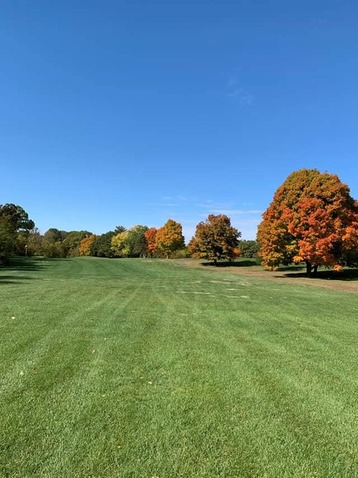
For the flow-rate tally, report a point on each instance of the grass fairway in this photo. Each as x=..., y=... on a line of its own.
x=146, y=368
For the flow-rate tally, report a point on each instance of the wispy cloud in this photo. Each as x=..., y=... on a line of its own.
x=177, y=197
x=242, y=96
x=211, y=205
x=190, y=210
x=238, y=212
x=232, y=82
x=172, y=201
x=245, y=219
x=237, y=91
x=215, y=207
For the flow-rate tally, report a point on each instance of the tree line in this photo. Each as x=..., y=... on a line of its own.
x=312, y=219
x=215, y=240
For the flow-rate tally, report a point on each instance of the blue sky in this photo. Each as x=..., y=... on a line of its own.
x=134, y=112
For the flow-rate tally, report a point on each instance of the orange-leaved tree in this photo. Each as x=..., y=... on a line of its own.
x=86, y=244
x=215, y=239
x=150, y=237
x=169, y=238
x=312, y=218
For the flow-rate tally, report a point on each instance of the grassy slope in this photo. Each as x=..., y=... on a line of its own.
x=140, y=368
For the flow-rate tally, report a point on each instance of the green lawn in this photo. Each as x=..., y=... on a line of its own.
x=146, y=368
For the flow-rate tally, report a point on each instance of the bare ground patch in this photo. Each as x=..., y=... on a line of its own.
x=331, y=281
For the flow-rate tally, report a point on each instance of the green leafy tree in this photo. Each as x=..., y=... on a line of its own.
x=17, y=217
x=7, y=238
x=248, y=248
x=52, y=243
x=71, y=243
x=14, y=221
x=136, y=241
x=34, y=243
x=131, y=243
x=215, y=239
x=102, y=246
x=119, y=229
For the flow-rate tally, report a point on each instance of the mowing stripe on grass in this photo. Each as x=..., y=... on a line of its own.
x=108, y=370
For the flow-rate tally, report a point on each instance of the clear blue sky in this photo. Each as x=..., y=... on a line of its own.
x=133, y=112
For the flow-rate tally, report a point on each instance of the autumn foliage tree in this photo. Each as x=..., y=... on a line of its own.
x=312, y=218
x=131, y=243
x=119, y=244
x=86, y=245
x=72, y=241
x=150, y=237
x=169, y=238
x=215, y=239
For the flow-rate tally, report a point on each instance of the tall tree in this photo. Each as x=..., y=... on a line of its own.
x=7, y=238
x=52, y=243
x=136, y=241
x=14, y=221
x=215, y=239
x=312, y=218
x=33, y=243
x=169, y=238
x=17, y=217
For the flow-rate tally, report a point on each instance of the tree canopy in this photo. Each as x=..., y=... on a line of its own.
x=312, y=218
x=136, y=241
x=169, y=238
x=17, y=217
x=102, y=245
x=215, y=239
x=150, y=237
x=248, y=248
x=131, y=243
x=14, y=224
x=85, y=248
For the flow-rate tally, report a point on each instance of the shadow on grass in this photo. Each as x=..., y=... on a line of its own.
x=25, y=264
x=241, y=263
x=345, y=275
x=15, y=279
x=292, y=268
x=290, y=271
x=19, y=264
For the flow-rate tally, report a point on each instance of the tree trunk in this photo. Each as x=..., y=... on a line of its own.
x=311, y=270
